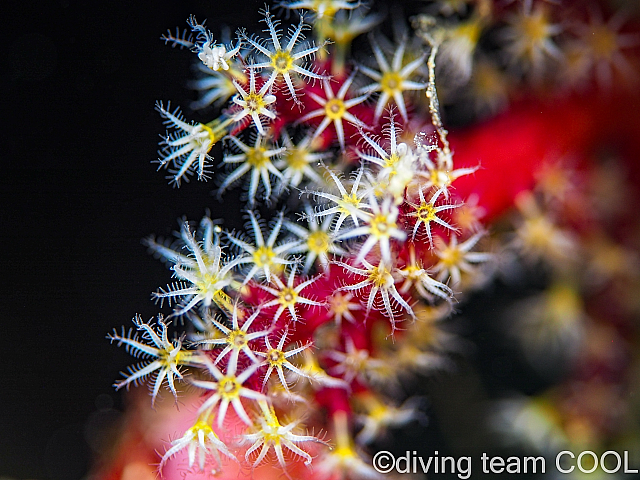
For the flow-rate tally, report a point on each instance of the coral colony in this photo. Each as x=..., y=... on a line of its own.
x=289, y=347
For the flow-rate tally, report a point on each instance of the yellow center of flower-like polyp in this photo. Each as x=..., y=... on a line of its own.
x=413, y=272
x=603, y=42
x=440, y=178
x=275, y=357
x=229, y=387
x=335, y=109
x=381, y=187
x=391, y=82
x=534, y=29
x=237, y=338
x=379, y=412
x=318, y=242
x=208, y=281
x=339, y=303
x=470, y=30
x=263, y=256
x=381, y=226
x=391, y=161
x=451, y=256
x=296, y=158
x=256, y=157
x=349, y=200
x=536, y=233
x=563, y=305
x=282, y=61
x=255, y=103
x=288, y=297
x=167, y=359
x=210, y=287
x=201, y=426
x=426, y=212
x=380, y=278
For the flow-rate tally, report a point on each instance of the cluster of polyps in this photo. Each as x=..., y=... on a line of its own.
x=294, y=319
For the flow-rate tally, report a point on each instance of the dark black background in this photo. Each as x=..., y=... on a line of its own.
x=77, y=194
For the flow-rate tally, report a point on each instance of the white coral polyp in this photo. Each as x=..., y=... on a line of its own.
x=214, y=57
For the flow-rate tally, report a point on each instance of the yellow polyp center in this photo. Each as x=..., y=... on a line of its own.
x=256, y=157
x=349, y=200
x=335, y=109
x=202, y=426
x=275, y=357
x=272, y=430
x=391, y=82
x=603, y=42
x=339, y=303
x=288, y=297
x=357, y=361
x=255, y=102
x=207, y=282
x=426, y=212
x=563, y=304
x=229, y=387
x=380, y=278
x=537, y=232
x=440, y=178
x=609, y=258
x=470, y=30
x=210, y=287
x=535, y=28
x=451, y=256
x=381, y=226
x=282, y=61
x=166, y=358
x=413, y=272
x=237, y=338
x=296, y=158
x=391, y=161
x=379, y=411
x=555, y=181
x=318, y=242
x=263, y=256
x=408, y=354
x=382, y=187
